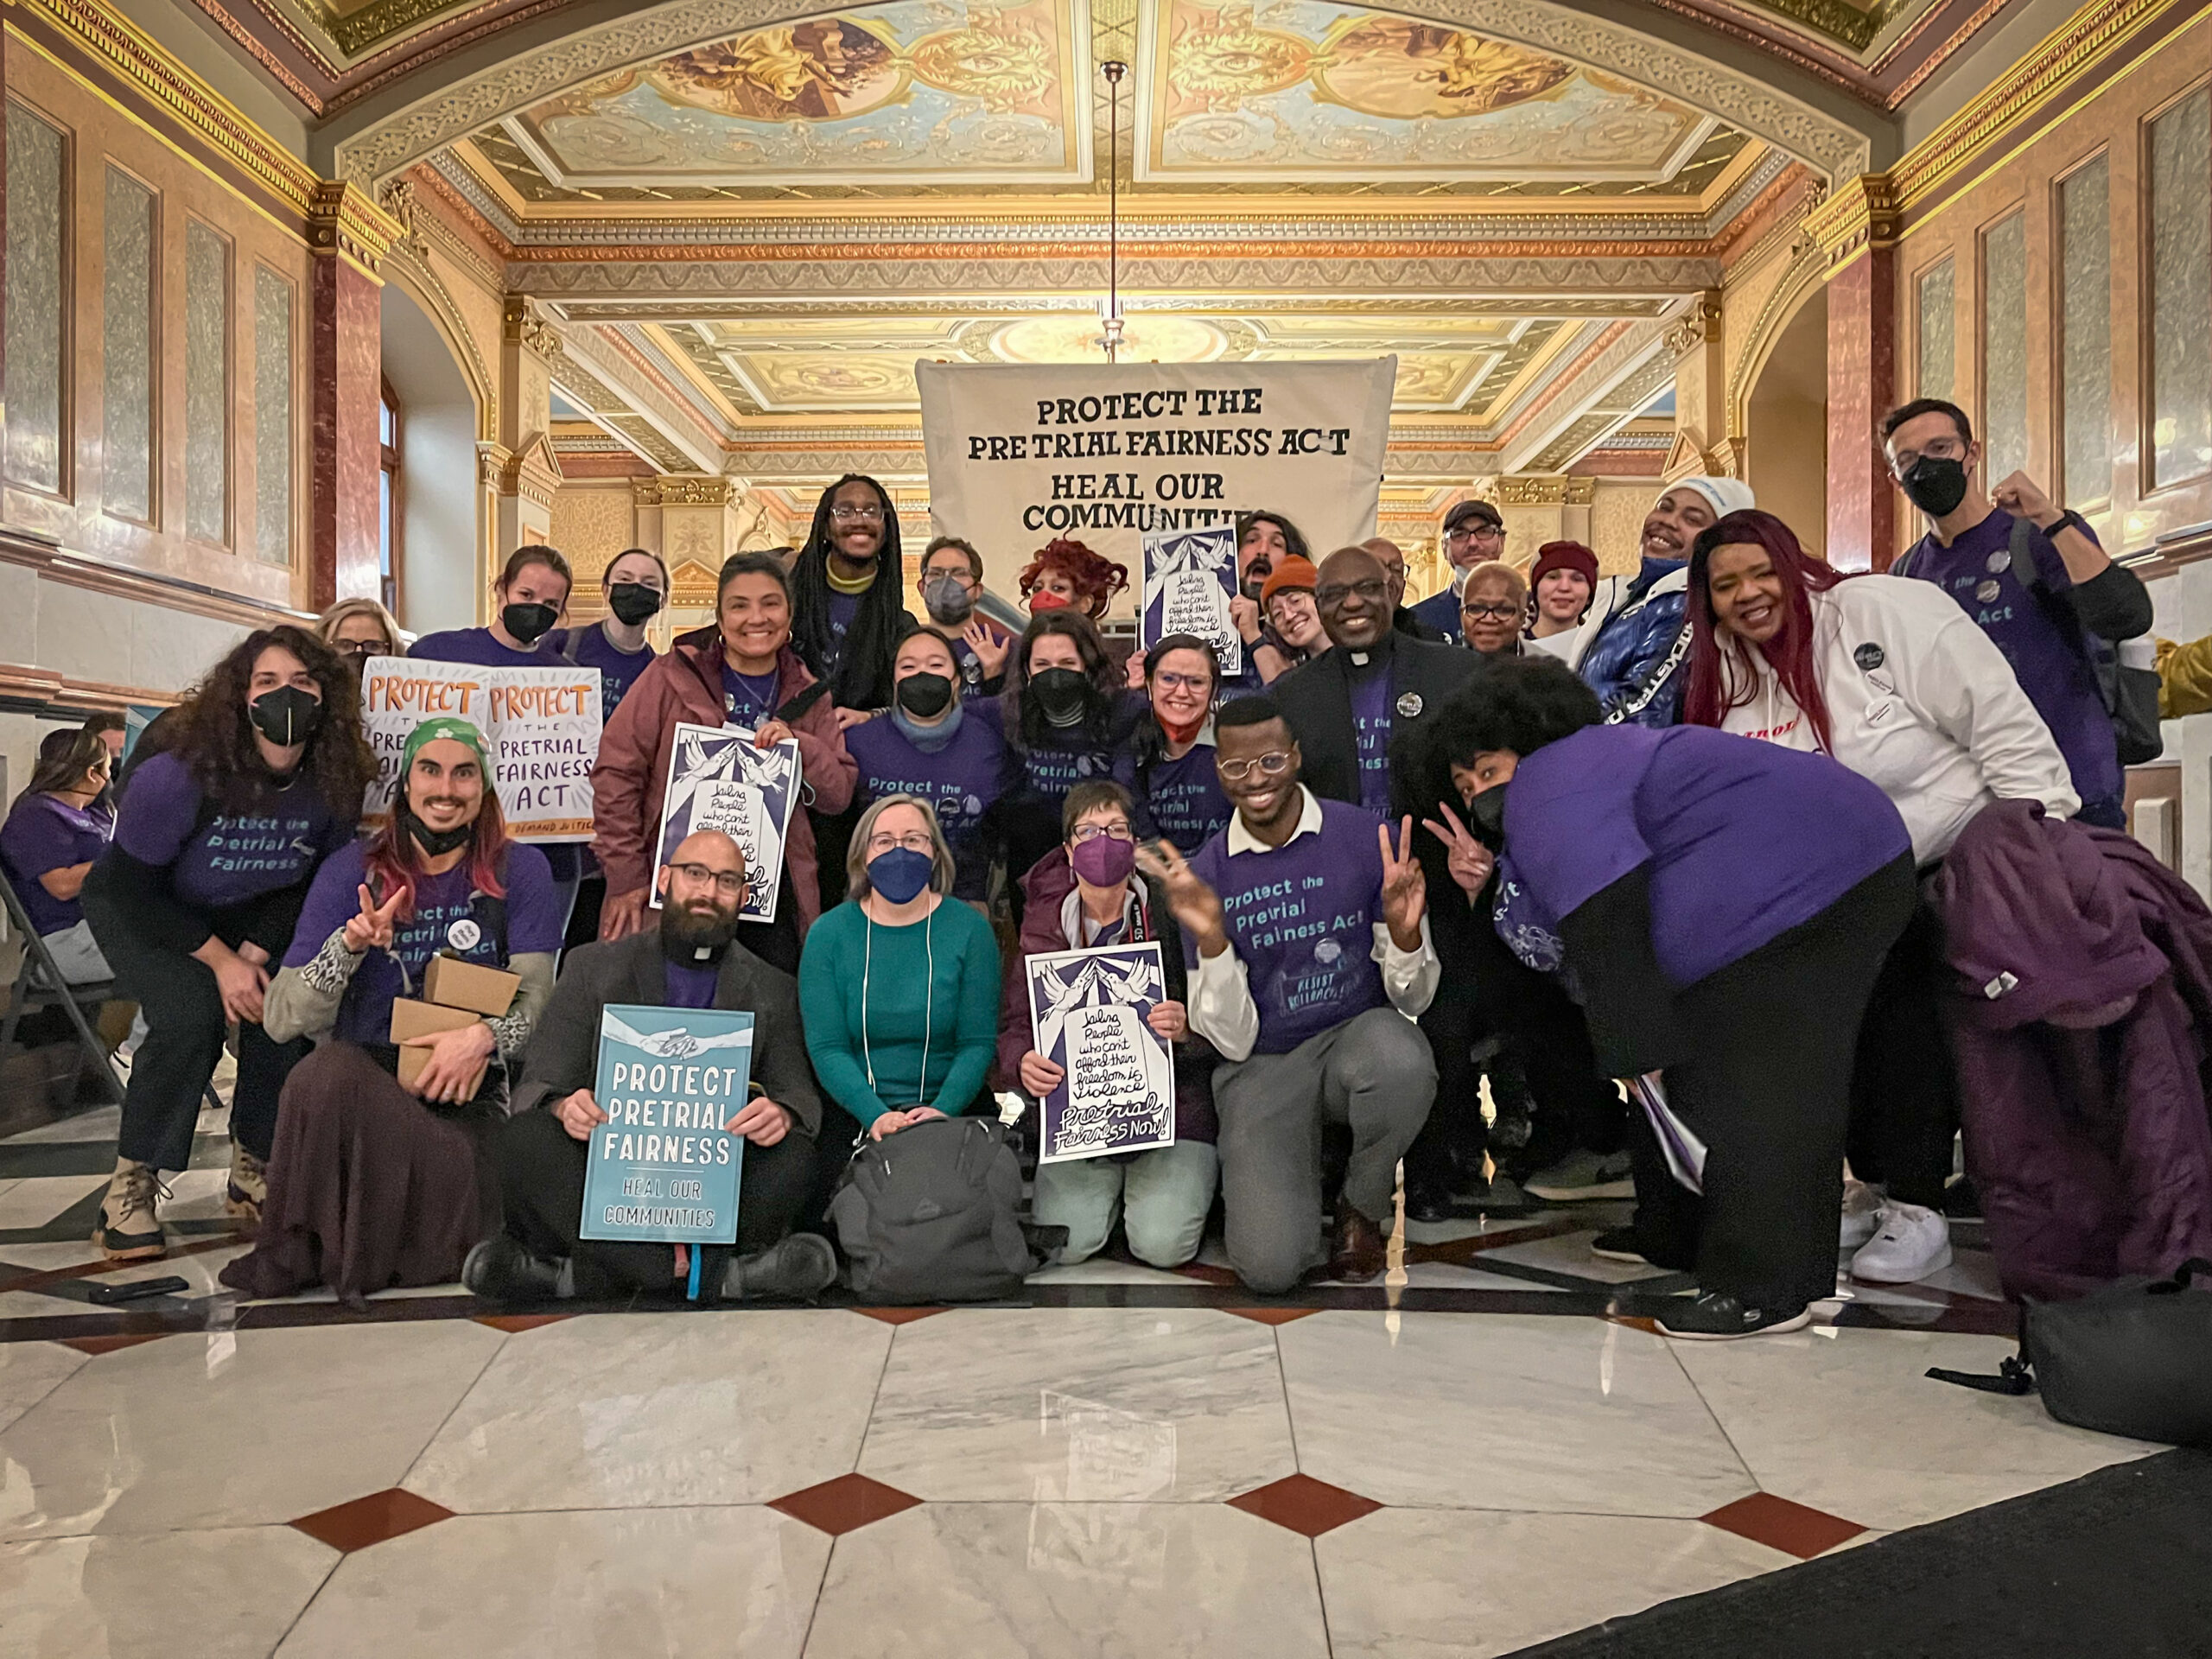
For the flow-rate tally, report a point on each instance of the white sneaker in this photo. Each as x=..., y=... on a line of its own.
x=1912, y=1244
x=1862, y=1214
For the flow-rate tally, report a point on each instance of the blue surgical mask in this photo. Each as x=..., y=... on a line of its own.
x=900, y=873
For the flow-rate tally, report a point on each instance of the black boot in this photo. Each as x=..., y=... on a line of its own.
x=501, y=1270
x=798, y=1269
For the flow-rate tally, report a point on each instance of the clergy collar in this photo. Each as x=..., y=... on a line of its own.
x=1380, y=648
x=1242, y=840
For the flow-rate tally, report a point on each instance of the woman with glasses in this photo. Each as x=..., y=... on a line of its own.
x=1087, y=893
x=1474, y=534
x=358, y=629
x=1266, y=543
x=745, y=671
x=898, y=988
x=1493, y=603
x=933, y=746
x=1170, y=767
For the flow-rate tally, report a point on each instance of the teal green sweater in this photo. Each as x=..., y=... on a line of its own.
x=948, y=963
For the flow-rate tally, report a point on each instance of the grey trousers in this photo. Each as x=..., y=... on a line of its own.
x=1374, y=1072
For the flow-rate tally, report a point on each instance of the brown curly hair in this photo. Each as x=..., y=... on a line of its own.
x=215, y=738
x=1096, y=578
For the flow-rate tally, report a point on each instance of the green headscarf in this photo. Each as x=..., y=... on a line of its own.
x=445, y=726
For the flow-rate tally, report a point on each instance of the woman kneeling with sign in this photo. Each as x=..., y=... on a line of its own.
x=375, y=1180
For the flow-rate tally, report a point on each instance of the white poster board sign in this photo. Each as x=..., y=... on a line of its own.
x=543, y=725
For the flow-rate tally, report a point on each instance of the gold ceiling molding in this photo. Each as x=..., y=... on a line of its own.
x=679, y=491
x=1871, y=210
x=1564, y=490
x=1830, y=145
x=344, y=223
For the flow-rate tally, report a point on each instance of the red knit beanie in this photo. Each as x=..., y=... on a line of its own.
x=1291, y=572
x=1563, y=555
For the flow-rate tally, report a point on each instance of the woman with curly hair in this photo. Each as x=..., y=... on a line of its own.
x=1067, y=719
x=1067, y=574
x=214, y=847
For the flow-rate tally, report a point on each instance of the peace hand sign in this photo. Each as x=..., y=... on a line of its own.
x=1195, y=905
x=1405, y=887
x=1469, y=861
x=373, y=927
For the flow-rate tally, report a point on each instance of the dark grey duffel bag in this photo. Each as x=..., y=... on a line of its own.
x=932, y=1214
x=2134, y=1358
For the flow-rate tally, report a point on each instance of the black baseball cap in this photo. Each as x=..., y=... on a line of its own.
x=1466, y=510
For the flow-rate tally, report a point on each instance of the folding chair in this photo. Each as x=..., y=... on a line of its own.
x=39, y=985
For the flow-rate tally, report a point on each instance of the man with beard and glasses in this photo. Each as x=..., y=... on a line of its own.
x=951, y=583
x=689, y=962
x=2034, y=579
x=1634, y=637
x=374, y=1182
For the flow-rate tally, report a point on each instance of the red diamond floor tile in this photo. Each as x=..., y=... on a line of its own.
x=1271, y=1315
x=845, y=1504
x=372, y=1520
x=897, y=1315
x=97, y=1345
x=1793, y=1528
x=511, y=1323
x=1304, y=1504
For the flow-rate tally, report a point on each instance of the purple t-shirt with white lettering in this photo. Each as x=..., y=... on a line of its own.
x=444, y=920
x=2049, y=656
x=960, y=780
x=233, y=857
x=749, y=700
x=1183, y=800
x=618, y=670
x=1371, y=723
x=1301, y=919
x=45, y=833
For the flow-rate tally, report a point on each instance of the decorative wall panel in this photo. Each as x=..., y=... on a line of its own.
x=2005, y=347
x=2085, y=333
x=272, y=416
x=37, y=269
x=2181, y=291
x=127, y=314
x=207, y=382
x=1935, y=356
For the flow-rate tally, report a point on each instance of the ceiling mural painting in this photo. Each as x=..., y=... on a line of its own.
x=1254, y=89
x=917, y=92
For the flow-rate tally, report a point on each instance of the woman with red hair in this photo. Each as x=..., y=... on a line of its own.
x=1894, y=680
x=1067, y=574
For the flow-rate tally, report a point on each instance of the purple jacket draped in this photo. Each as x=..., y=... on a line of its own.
x=2083, y=974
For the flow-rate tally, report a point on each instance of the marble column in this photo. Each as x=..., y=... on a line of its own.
x=530, y=474
x=350, y=235
x=1858, y=226
x=1702, y=436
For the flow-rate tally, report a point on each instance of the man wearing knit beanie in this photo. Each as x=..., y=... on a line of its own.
x=1560, y=582
x=1632, y=646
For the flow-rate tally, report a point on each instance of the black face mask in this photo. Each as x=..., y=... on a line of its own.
x=287, y=715
x=633, y=603
x=528, y=623
x=924, y=695
x=435, y=842
x=1935, y=484
x=1062, y=693
x=1486, y=816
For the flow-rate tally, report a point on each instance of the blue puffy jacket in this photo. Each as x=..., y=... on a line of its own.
x=1636, y=661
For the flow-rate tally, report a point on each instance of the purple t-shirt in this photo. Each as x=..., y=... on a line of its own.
x=2049, y=657
x=230, y=858
x=960, y=780
x=843, y=607
x=1301, y=920
x=692, y=988
x=45, y=833
x=478, y=646
x=1184, y=802
x=443, y=921
x=618, y=670
x=1745, y=841
x=1371, y=725
x=749, y=700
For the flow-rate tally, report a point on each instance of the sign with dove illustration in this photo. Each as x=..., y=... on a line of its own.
x=718, y=781
x=661, y=1170
x=1190, y=576
x=1087, y=1011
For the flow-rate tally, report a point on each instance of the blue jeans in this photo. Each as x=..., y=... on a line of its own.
x=1162, y=1195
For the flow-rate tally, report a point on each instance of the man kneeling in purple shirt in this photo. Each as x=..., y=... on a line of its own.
x=1307, y=931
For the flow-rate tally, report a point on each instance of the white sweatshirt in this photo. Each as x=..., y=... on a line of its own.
x=1919, y=703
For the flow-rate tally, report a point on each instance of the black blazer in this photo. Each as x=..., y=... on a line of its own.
x=1315, y=698
x=563, y=1052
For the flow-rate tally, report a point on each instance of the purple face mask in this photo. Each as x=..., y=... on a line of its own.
x=1104, y=862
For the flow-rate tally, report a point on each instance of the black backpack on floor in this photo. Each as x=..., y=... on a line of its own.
x=932, y=1214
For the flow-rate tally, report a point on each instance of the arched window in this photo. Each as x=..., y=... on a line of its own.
x=388, y=504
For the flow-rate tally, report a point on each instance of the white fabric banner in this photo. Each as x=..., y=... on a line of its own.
x=1103, y=453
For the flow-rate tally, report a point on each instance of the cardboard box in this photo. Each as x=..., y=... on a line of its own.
x=413, y=1019
x=452, y=983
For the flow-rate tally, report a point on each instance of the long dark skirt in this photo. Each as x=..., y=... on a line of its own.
x=368, y=1188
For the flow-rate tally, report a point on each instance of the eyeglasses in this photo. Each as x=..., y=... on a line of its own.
x=914, y=841
x=1083, y=832
x=848, y=514
x=1468, y=532
x=1372, y=590
x=1272, y=764
x=729, y=881
x=357, y=648
x=1498, y=612
x=1198, y=683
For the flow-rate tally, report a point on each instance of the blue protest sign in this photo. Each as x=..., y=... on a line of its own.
x=662, y=1168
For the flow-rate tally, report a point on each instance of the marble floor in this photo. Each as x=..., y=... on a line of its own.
x=1490, y=1455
